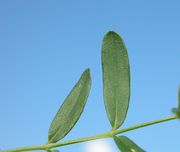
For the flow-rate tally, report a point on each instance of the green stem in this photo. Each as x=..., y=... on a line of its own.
x=100, y=136
x=145, y=124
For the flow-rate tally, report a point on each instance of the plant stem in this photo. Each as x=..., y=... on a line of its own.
x=109, y=134
x=145, y=124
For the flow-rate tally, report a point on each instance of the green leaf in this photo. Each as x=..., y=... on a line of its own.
x=52, y=150
x=116, y=78
x=177, y=110
x=126, y=145
x=71, y=109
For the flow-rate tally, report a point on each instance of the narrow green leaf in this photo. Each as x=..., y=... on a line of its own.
x=116, y=78
x=71, y=109
x=126, y=145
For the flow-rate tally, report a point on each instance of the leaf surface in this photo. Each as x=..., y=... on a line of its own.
x=52, y=150
x=71, y=109
x=116, y=78
x=126, y=145
x=177, y=110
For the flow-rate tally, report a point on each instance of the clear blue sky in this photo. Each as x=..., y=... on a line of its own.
x=46, y=45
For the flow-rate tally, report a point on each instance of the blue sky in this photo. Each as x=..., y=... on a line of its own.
x=46, y=45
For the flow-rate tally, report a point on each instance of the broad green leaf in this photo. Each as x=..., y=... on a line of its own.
x=116, y=78
x=126, y=145
x=71, y=109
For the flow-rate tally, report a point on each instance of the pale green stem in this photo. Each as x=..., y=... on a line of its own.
x=80, y=140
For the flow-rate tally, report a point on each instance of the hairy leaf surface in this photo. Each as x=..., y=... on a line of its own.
x=71, y=109
x=116, y=78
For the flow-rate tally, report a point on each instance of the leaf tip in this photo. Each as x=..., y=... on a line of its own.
x=111, y=34
x=87, y=74
x=87, y=70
